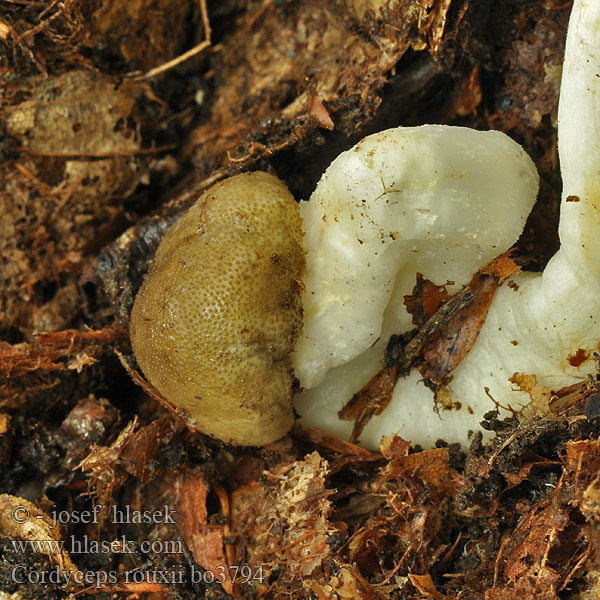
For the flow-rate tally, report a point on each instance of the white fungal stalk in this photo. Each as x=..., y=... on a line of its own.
x=444, y=201
x=441, y=201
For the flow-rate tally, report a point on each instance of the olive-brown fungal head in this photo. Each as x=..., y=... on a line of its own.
x=215, y=322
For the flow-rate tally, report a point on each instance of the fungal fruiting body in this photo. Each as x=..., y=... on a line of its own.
x=215, y=322
x=531, y=328
x=438, y=200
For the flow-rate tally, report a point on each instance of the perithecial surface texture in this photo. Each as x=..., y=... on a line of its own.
x=216, y=320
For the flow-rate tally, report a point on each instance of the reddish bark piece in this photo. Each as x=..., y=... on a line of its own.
x=394, y=447
x=453, y=342
x=318, y=112
x=141, y=449
x=532, y=542
x=447, y=347
x=328, y=441
x=49, y=350
x=204, y=541
x=371, y=400
x=425, y=585
x=426, y=299
x=430, y=466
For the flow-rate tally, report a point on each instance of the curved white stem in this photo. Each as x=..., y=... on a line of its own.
x=442, y=201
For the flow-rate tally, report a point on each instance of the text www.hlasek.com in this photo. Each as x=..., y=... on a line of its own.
x=88, y=546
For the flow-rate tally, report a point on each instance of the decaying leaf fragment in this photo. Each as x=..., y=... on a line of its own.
x=447, y=346
x=76, y=139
